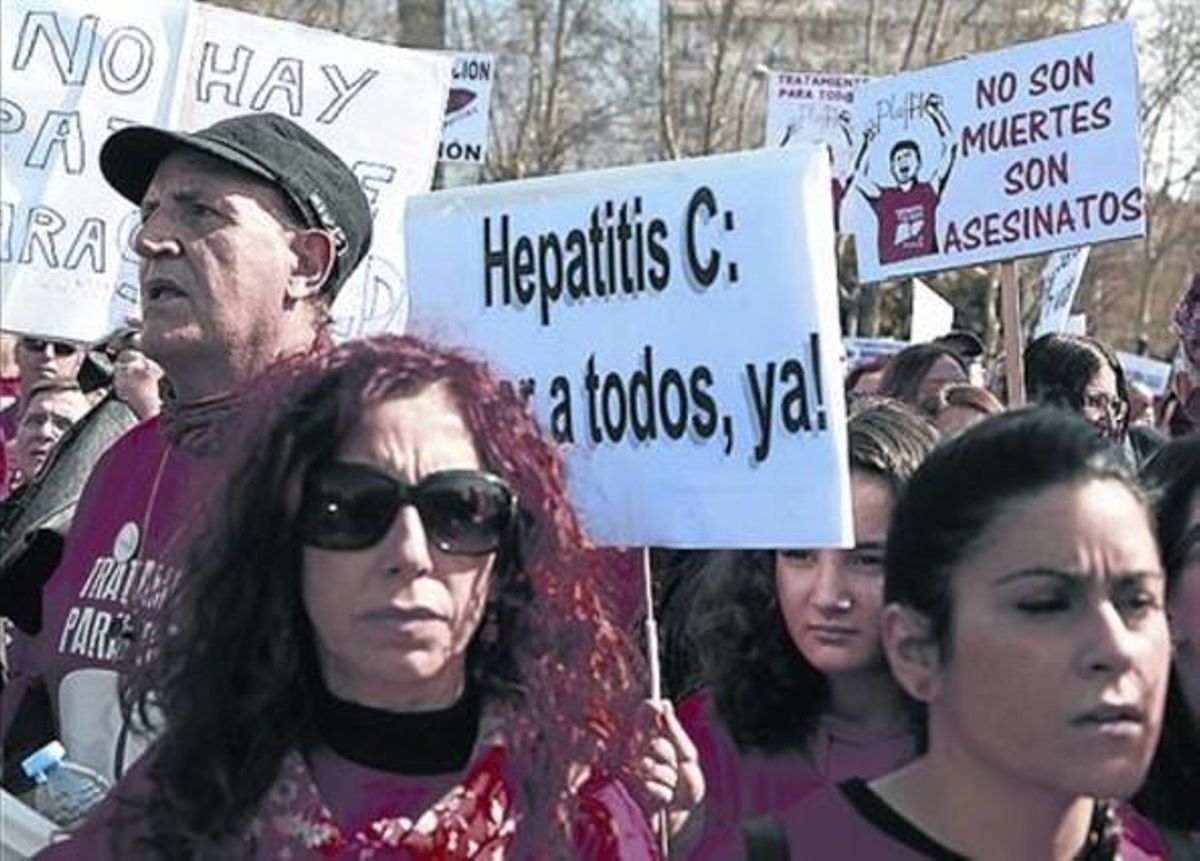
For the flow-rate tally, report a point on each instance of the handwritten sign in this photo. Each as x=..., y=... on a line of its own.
x=1021, y=151
x=815, y=108
x=1060, y=283
x=73, y=73
x=611, y=296
x=79, y=70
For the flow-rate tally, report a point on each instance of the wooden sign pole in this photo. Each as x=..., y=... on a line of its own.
x=1014, y=339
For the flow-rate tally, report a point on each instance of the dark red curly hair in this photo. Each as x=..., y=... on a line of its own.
x=234, y=672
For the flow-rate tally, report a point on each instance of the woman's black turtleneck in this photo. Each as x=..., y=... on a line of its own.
x=413, y=743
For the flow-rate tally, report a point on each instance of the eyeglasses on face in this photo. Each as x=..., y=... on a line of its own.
x=39, y=345
x=351, y=506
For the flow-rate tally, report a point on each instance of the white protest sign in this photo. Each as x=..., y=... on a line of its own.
x=931, y=314
x=677, y=327
x=1151, y=373
x=1060, y=282
x=379, y=107
x=73, y=72
x=815, y=108
x=1016, y=152
x=465, y=128
x=859, y=351
x=1076, y=325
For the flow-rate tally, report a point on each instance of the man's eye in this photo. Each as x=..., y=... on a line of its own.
x=797, y=555
x=1037, y=605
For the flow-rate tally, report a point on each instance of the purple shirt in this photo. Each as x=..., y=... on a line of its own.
x=746, y=784
x=851, y=821
x=122, y=555
x=907, y=222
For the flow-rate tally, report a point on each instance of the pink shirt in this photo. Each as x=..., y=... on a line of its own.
x=907, y=222
x=746, y=784
x=851, y=821
x=123, y=553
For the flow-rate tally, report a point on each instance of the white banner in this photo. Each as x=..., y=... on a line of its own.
x=98, y=66
x=465, y=128
x=676, y=326
x=1151, y=373
x=1016, y=152
x=74, y=72
x=1060, y=282
x=1076, y=325
x=931, y=314
x=815, y=108
x=859, y=351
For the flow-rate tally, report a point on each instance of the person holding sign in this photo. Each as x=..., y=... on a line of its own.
x=789, y=639
x=907, y=211
x=1025, y=614
x=391, y=641
x=248, y=229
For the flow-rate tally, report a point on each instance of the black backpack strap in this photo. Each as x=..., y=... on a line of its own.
x=765, y=839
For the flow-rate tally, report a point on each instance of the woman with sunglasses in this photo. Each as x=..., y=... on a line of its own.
x=799, y=694
x=1171, y=795
x=391, y=639
x=1025, y=614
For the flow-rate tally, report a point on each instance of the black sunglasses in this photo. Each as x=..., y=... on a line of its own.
x=351, y=506
x=38, y=345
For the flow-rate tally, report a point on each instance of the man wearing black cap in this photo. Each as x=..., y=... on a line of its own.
x=249, y=227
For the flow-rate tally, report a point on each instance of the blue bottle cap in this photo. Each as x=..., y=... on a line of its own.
x=43, y=759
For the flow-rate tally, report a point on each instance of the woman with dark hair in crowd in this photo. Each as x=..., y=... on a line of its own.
x=920, y=371
x=391, y=641
x=1082, y=374
x=1171, y=795
x=958, y=406
x=799, y=691
x=1025, y=614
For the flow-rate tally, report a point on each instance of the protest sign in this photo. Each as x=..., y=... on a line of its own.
x=815, y=108
x=348, y=93
x=859, y=351
x=465, y=127
x=73, y=73
x=1017, y=152
x=931, y=314
x=1076, y=325
x=1060, y=282
x=81, y=70
x=1151, y=373
x=676, y=328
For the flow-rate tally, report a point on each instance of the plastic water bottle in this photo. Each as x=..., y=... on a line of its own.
x=65, y=791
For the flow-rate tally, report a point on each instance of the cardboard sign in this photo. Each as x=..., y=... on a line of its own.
x=1021, y=151
x=73, y=73
x=86, y=69
x=616, y=298
x=465, y=128
x=815, y=108
x=931, y=314
x=1060, y=283
x=1151, y=373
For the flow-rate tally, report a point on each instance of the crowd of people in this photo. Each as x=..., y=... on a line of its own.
x=283, y=598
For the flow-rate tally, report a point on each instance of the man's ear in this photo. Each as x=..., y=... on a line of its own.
x=913, y=653
x=313, y=256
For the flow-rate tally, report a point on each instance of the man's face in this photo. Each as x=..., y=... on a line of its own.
x=45, y=419
x=216, y=256
x=905, y=164
x=39, y=360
